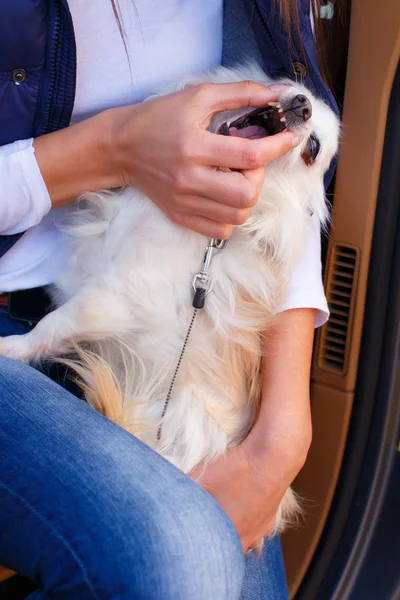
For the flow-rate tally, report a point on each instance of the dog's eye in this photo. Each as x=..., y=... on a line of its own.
x=313, y=147
x=311, y=150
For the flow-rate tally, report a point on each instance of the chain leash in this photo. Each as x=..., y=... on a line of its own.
x=201, y=285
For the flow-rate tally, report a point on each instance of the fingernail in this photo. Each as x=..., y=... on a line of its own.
x=296, y=141
x=277, y=87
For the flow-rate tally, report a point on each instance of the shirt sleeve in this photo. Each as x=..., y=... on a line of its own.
x=305, y=288
x=24, y=199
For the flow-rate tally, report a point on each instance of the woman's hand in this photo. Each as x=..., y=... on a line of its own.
x=250, y=486
x=163, y=147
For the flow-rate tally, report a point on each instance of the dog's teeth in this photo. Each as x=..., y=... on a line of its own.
x=283, y=119
x=280, y=109
x=278, y=104
x=273, y=104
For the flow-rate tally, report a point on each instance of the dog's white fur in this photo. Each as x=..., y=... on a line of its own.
x=126, y=291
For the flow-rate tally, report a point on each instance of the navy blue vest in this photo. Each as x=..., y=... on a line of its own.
x=38, y=61
x=37, y=73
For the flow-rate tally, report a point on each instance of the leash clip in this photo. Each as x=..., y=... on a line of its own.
x=201, y=283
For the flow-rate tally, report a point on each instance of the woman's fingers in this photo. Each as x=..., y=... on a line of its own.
x=211, y=201
x=221, y=197
x=202, y=225
x=239, y=153
x=233, y=188
x=255, y=179
x=214, y=210
x=229, y=96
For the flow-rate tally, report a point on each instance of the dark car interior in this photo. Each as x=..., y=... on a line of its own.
x=348, y=545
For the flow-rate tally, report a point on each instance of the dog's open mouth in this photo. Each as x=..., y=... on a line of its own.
x=259, y=123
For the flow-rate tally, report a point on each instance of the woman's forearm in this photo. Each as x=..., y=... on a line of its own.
x=250, y=480
x=283, y=425
x=76, y=160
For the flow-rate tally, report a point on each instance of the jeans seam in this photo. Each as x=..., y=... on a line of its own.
x=58, y=535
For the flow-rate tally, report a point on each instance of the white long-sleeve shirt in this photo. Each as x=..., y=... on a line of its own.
x=165, y=40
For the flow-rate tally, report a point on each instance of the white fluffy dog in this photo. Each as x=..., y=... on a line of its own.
x=126, y=293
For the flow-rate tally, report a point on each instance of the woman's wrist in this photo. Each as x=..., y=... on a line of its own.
x=117, y=144
x=269, y=470
x=78, y=159
x=287, y=444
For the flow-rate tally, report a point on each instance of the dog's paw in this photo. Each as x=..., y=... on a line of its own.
x=18, y=347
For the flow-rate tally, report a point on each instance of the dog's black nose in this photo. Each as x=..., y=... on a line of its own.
x=301, y=106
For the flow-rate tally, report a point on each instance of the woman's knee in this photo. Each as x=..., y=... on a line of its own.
x=174, y=546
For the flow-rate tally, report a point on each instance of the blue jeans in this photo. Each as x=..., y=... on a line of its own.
x=89, y=512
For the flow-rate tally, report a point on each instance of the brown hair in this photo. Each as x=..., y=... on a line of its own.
x=290, y=13
x=115, y=7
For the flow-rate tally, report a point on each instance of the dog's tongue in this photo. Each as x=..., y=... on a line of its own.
x=252, y=132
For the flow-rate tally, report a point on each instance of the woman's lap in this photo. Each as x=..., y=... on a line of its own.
x=90, y=512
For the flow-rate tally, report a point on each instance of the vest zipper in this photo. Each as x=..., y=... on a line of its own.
x=53, y=70
x=57, y=91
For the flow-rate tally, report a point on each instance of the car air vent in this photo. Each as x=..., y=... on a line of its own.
x=341, y=288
